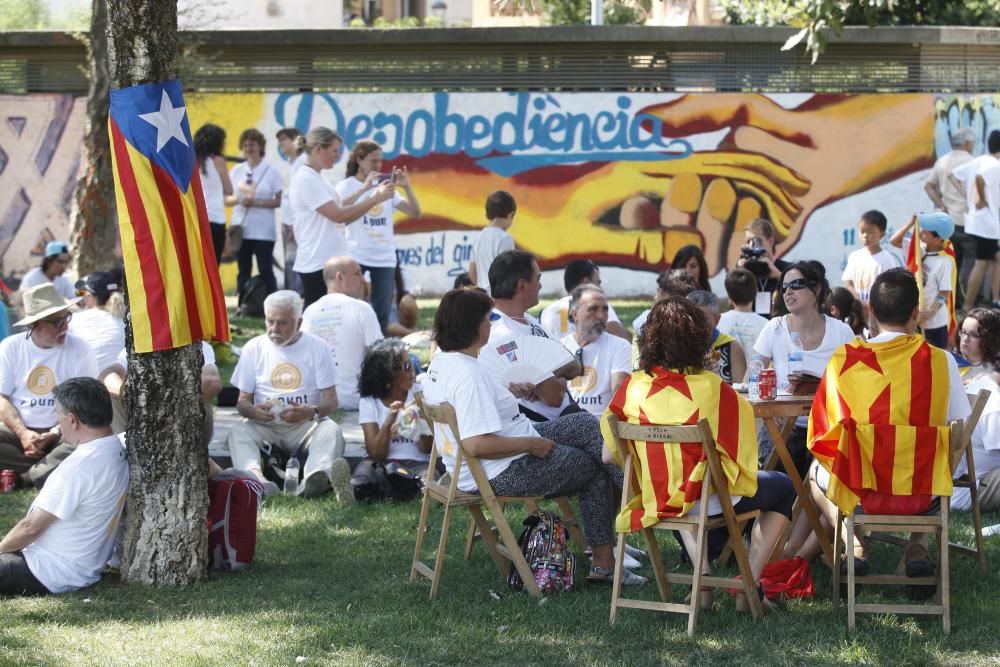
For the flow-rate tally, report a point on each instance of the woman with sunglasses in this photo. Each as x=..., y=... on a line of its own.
x=803, y=295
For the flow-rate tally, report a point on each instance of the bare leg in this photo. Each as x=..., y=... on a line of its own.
x=995, y=278
x=604, y=556
x=766, y=531
x=975, y=284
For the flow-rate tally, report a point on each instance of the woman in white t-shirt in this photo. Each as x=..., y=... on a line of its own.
x=209, y=142
x=517, y=456
x=289, y=145
x=370, y=238
x=804, y=292
x=317, y=210
x=101, y=320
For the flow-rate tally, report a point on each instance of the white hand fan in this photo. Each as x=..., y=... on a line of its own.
x=523, y=359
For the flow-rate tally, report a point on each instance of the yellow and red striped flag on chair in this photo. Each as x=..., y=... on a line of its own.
x=914, y=264
x=175, y=293
x=671, y=477
x=879, y=422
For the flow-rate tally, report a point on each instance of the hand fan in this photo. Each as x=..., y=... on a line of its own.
x=523, y=359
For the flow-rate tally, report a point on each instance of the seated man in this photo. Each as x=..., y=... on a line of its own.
x=555, y=317
x=286, y=379
x=894, y=388
x=30, y=369
x=346, y=322
x=728, y=358
x=65, y=541
x=606, y=359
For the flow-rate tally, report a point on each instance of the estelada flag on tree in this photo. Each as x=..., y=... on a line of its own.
x=879, y=421
x=914, y=265
x=175, y=294
x=671, y=476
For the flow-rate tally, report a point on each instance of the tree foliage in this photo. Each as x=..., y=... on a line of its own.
x=23, y=15
x=577, y=12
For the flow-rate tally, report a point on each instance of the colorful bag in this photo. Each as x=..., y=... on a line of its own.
x=234, y=498
x=789, y=578
x=543, y=544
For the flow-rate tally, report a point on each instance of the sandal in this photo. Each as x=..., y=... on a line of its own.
x=743, y=606
x=706, y=597
x=607, y=575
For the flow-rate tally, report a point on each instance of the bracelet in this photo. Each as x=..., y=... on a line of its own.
x=315, y=412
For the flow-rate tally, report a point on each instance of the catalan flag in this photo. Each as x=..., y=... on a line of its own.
x=671, y=476
x=879, y=422
x=175, y=294
x=914, y=264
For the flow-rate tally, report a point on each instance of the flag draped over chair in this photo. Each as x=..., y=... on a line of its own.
x=671, y=477
x=175, y=294
x=879, y=422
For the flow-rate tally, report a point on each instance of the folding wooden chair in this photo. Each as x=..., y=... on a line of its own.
x=625, y=435
x=924, y=523
x=968, y=480
x=501, y=543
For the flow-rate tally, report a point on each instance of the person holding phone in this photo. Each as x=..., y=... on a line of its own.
x=370, y=238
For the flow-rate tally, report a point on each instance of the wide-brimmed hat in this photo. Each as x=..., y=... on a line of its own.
x=99, y=283
x=41, y=301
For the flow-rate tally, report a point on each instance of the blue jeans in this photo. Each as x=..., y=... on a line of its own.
x=383, y=285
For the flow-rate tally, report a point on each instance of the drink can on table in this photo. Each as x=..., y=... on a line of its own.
x=6, y=481
x=768, y=384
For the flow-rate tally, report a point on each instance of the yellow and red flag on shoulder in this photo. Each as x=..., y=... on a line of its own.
x=879, y=422
x=175, y=294
x=671, y=476
x=914, y=264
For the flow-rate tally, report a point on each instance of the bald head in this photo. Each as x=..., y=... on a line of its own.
x=342, y=275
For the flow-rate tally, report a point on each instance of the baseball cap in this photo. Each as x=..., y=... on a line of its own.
x=939, y=223
x=53, y=248
x=99, y=283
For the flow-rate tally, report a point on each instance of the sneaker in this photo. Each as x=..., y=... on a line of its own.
x=918, y=564
x=634, y=552
x=607, y=575
x=630, y=563
x=316, y=484
x=340, y=476
x=270, y=488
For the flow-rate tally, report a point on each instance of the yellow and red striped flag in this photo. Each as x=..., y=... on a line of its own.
x=879, y=422
x=175, y=294
x=671, y=477
x=914, y=264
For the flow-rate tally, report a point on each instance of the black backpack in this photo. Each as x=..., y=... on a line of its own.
x=251, y=303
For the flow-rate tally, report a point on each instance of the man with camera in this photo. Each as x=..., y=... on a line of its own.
x=757, y=256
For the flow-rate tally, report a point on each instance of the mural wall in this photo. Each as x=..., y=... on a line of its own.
x=624, y=179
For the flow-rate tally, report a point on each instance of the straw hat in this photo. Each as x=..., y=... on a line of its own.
x=41, y=301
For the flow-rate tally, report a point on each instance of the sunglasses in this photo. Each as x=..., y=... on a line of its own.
x=796, y=285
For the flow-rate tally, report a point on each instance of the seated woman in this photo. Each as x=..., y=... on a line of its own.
x=385, y=385
x=518, y=458
x=673, y=383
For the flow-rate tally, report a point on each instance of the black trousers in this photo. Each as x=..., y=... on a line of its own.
x=16, y=578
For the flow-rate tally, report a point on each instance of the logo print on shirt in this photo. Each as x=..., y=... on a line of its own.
x=286, y=377
x=584, y=383
x=376, y=210
x=41, y=380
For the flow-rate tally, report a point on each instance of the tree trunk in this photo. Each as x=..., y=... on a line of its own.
x=166, y=541
x=94, y=230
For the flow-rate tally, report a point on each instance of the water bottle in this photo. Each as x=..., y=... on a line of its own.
x=795, y=354
x=753, y=376
x=292, y=476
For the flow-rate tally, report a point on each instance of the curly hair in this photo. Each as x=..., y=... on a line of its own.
x=989, y=334
x=361, y=150
x=254, y=135
x=849, y=309
x=675, y=282
x=815, y=280
x=378, y=370
x=677, y=335
x=209, y=141
x=684, y=255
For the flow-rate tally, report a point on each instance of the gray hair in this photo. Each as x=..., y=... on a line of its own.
x=317, y=137
x=86, y=398
x=962, y=137
x=577, y=294
x=284, y=299
x=704, y=298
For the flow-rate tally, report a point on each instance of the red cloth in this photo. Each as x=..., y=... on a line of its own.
x=791, y=578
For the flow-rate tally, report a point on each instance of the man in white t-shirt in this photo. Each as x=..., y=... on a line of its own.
x=981, y=177
x=555, y=317
x=287, y=384
x=287, y=142
x=347, y=324
x=68, y=535
x=30, y=369
x=948, y=194
x=606, y=359
x=53, y=270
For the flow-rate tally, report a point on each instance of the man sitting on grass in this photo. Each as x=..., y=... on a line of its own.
x=69, y=533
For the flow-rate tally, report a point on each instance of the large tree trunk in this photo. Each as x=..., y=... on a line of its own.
x=94, y=232
x=166, y=541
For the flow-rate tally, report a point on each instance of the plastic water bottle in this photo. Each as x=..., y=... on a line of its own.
x=753, y=376
x=795, y=354
x=292, y=476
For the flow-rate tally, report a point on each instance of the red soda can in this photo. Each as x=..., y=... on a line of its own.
x=6, y=481
x=768, y=384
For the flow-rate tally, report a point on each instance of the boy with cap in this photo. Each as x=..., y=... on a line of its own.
x=939, y=273
x=53, y=267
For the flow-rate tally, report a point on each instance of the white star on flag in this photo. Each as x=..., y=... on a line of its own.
x=167, y=122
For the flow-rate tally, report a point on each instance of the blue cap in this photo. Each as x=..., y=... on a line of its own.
x=939, y=223
x=53, y=248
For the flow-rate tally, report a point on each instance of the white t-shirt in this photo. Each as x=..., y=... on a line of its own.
x=207, y=351
x=373, y=411
x=982, y=222
x=215, y=198
x=29, y=374
x=63, y=285
x=319, y=238
x=774, y=343
x=606, y=355
x=369, y=238
x=293, y=374
x=863, y=268
x=258, y=222
x=639, y=320
x=103, y=332
x=490, y=242
x=986, y=437
x=952, y=189
x=506, y=329
x=937, y=279
x=744, y=327
x=554, y=318
x=348, y=326
x=481, y=406
x=86, y=493
x=287, y=218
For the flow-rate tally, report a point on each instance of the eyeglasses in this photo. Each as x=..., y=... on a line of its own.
x=58, y=322
x=83, y=292
x=970, y=334
x=795, y=285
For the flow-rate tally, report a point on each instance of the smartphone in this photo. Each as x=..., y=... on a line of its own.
x=382, y=178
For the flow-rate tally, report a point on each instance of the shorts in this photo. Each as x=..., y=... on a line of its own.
x=985, y=248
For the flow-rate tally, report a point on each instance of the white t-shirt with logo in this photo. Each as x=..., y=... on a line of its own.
x=507, y=328
x=554, y=318
x=293, y=374
x=983, y=222
x=490, y=242
x=258, y=222
x=348, y=326
x=319, y=238
x=863, y=268
x=606, y=355
x=744, y=327
x=29, y=374
x=370, y=238
x=63, y=285
x=104, y=332
x=481, y=406
x=86, y=494
x=372, y=410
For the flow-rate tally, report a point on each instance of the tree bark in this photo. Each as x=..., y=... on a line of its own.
x=166, y=540
x=94, y=232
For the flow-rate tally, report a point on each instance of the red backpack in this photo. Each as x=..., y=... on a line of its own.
x=234, y=497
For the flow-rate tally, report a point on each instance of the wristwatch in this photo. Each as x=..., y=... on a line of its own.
x=315, y=412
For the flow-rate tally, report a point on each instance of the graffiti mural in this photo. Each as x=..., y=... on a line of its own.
x=624, y=179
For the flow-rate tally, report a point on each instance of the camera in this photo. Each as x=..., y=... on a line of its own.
x=754, y=251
